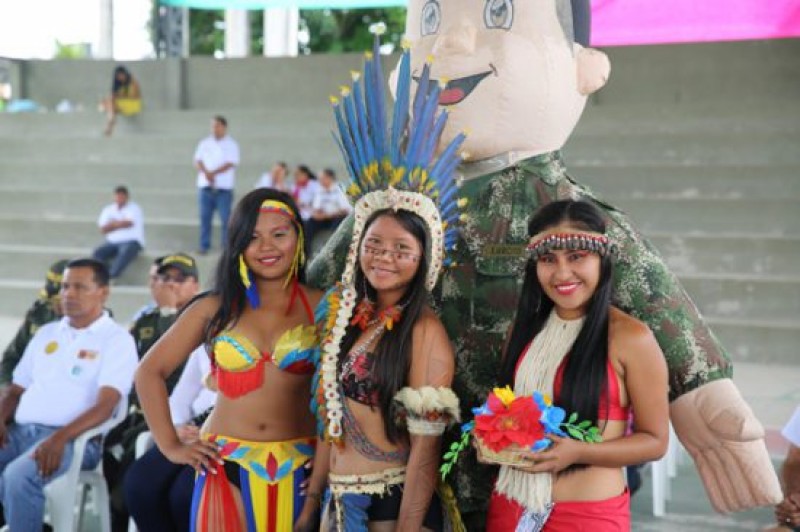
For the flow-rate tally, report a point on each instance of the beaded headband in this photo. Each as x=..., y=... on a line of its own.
x=277, y=207
x=546, y=241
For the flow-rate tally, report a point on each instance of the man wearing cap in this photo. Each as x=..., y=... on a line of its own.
x=45, y=309
x=70, y=378
x=176, y=283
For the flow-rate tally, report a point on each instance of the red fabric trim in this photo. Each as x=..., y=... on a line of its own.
x=272, y=508
x=237, y=383
x=218, y=509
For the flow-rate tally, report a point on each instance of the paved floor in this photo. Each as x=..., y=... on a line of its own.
x=688, y=510
x=772, y=392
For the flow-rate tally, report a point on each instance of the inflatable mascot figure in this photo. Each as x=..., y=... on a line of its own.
x=517, y=76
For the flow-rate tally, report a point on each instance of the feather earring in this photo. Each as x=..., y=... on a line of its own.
x=250, y=289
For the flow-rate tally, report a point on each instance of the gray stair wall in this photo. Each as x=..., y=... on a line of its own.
x=697, y=143
x=732, y=71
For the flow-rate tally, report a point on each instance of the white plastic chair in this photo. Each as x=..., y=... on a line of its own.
x=662, y=472
x=143, y=443
x=61, y=493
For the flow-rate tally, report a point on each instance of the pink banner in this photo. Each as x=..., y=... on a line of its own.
x=621, y=22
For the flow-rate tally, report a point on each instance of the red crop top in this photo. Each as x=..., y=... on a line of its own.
x=616, y=412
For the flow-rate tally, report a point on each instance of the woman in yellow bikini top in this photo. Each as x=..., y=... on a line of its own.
x=258, y=327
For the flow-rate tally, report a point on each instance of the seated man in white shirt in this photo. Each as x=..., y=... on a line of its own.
x=70, y=378
x=123, y=225
x=330, y=206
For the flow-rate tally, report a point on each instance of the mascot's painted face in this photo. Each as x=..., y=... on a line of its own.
x=511, y=67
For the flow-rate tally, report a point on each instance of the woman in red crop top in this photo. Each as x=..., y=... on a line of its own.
x=257, y=324
x=567, y=340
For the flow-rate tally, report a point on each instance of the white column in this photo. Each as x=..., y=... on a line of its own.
x=237, y=33
x=186, y=33
x=280, y=32
x=105, y=44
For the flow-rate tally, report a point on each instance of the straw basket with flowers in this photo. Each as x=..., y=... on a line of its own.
x=506, y=425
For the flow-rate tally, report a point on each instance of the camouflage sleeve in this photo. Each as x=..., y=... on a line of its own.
x=327, y=266
x=15, y=349
x=648, y=290
x=148, y=329
x=40, y=313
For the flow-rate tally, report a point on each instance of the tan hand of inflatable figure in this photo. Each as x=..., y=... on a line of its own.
x=593, y=69
x=726, y=442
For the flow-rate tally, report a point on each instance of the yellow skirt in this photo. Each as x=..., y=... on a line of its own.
x=128, y=106
x=268, y=475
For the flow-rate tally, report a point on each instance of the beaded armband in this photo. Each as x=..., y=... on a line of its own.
x=426, y=411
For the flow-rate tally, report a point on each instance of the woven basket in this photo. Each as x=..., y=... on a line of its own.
x=510, y=456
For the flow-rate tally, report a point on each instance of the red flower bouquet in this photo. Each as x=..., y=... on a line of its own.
x=505, y=425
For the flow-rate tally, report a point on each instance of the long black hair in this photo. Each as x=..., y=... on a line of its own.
x=116, y=84
x=227, y=283
x=392, y=355
x=585, y=372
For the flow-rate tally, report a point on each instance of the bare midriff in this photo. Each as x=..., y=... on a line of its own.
x=346, y=460
x=593, y=483
x=276, y=411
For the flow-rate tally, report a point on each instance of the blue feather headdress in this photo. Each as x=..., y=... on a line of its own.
x=394, y=165
x=391, y=166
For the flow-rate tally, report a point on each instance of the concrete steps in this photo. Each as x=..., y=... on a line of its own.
x=714, y=183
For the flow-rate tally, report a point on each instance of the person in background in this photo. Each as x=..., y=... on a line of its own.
x=158, y=493
x=177, y=284
x=330, y=205
x=304, y=191
x=216, y=159
x=44, y=310
x=70, y=378
x=122, y=223
x=125, y=98
x=275, y=178
x=152, y=281
x=787, y=512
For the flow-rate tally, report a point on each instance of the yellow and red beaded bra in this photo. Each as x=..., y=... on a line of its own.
x=237, y=364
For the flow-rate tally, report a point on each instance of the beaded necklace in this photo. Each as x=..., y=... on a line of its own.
x=356, y=352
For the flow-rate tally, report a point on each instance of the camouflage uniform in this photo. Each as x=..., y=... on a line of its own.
x=41, y=312
x=146, y=331
x=477, y=298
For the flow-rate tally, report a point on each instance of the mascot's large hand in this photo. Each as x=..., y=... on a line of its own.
x=726, y=442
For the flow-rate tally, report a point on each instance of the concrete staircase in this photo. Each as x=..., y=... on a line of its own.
x=714, y=183
x=716, y=186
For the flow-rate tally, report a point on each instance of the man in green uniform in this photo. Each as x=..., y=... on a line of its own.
x=44, y=310
x=177, y=282
x=517, y=79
